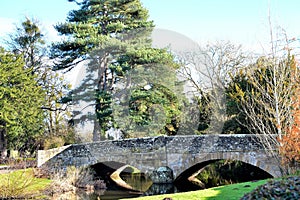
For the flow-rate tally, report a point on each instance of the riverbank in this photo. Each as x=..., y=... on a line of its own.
x=37, y=185
x=23, y=184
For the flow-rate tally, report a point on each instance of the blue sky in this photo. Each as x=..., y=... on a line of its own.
x=240, y=21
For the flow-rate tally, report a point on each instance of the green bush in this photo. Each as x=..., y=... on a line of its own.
x=287, y=188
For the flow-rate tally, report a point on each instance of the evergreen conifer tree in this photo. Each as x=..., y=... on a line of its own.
x=21, y=120
x=114, y=36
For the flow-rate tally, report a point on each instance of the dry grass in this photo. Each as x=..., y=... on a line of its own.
x=71, y=180
x=21, y=184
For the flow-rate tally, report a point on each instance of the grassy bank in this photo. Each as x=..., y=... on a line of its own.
x=21, y=183
x=228, y=192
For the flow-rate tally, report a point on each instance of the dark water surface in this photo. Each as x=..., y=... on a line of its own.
x=114, y=194
x=142, y=186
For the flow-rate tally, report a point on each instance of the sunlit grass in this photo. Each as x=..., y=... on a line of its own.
x=228, y=192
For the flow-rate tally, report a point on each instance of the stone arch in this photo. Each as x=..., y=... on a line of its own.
x=257, y=159
x=111, y=166
x=108, y=165
x=104, y=169
x=191, y=170
x=195, y=168
x=113, y=173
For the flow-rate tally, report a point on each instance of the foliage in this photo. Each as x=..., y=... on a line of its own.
x=287, y=188
x=203, y=104
x=113, y=37
x=152, y=103
x=19, y=163
x=234, y=121
x=53, y=142
x=237, y=120
x=290, y=142
x=97, y=24
x=142, y=107
x=207, y=70
x=290, y=149
x=263, y=92
x=28, y=41
x=20, y=101
x=57, y=113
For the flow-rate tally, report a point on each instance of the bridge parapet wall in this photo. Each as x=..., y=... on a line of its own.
x=148, y=154
x=45, y=155
x=213, y=143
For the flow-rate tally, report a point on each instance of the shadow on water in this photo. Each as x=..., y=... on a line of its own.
x=114, y=194
x=107, y=194
x=141, y=184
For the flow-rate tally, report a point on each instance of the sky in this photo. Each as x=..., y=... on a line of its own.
x=204, y=21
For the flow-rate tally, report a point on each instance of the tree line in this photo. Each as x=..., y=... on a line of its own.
x=139, y=90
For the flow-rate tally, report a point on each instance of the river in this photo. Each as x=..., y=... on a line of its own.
x=117, y=193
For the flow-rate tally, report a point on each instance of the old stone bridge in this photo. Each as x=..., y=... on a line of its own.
x=182, y=154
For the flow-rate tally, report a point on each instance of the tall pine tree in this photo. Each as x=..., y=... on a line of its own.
x=28, y=40
x=113, y=35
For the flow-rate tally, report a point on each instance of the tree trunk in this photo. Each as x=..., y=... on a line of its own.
x=3, y=140
x=96, y=130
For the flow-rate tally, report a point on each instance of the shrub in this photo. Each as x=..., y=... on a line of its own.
x=70, y=180
x=14, y=184
x=53, y=142
x=288, y=188
x=80, y=177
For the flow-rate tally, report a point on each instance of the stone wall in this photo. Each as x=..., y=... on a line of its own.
x=45, y=155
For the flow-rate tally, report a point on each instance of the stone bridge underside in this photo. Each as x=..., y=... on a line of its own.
x=179, y=153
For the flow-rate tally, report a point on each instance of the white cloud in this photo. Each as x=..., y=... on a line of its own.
x=50, y=32
x=6, y=26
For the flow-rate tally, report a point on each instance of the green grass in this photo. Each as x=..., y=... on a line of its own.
x=21, y=183
x=228, y=192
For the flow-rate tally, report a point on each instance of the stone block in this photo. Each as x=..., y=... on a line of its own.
x=162, y=175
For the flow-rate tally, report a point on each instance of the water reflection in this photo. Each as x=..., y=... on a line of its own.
x=140, y=183
x=160, y=189
x=119, y=193
x=107, y=194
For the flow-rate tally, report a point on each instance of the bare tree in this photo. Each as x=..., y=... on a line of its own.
x=266, y=94
x=207, y=72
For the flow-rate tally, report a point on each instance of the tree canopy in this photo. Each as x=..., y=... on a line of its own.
x=28, y=41
x=21, y=98
x=114, y=37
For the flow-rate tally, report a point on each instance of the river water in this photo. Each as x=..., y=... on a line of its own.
x=114, y=194
x=141, y=184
